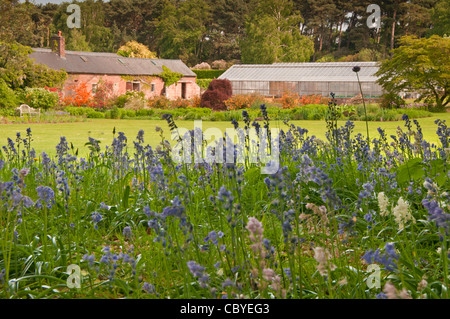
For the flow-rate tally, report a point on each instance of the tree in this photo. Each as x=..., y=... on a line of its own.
x=76, y=41
x=440, y=16
x=183, y=30
x=420, y=65
x=134, y=49
x=18, y=70
x=273, y=35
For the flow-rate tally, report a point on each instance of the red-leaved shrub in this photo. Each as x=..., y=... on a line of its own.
x=214, y=97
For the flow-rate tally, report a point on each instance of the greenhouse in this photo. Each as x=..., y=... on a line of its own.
x=310, y=78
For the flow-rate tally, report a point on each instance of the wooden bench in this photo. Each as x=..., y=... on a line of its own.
x=25, y=109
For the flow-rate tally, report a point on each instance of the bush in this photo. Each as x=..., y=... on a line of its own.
x=290, y=100
x=216, y=94
x=180, y=103
x=40, y=98
x=103, y=97
x=219, y=64
x=202, y=66
x=8, y=99
x=158, y=102
x=391, y=101
x=84, y=111
x=203, y=83
x=243, y=101
x=208, y=74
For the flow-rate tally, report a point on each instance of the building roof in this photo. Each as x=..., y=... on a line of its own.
x=302, y=72
x=106, y=63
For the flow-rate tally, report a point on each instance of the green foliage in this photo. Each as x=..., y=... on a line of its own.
x=273, y=35
x=440, y=15
x=419, y=65
x=18, y=70
x=391, y=100
x=182, y=29
x=76, y=41
x=122, y=100
x=208, y=74
x=88, y=112
x=40, y=98
x=8, y=98
x=134, y=49
x=169, y=77
x=203, y=83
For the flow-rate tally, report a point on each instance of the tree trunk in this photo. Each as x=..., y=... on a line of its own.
x=340, y=35
x=393, y=31
x=320, y=42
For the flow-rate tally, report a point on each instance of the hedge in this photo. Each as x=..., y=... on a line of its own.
x=208, y=74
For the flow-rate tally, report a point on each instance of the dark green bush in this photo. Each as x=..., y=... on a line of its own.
x=8, y=99
x=208, y=74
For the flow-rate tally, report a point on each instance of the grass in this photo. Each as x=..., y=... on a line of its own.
x=46, y=136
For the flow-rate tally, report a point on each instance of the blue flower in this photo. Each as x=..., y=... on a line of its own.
x=386, y=259
x=149, y=288
x=127, y=232
x=46, y=196
x=437, y=214
x=195, y=269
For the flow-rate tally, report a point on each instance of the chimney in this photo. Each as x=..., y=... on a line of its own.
x=58, y=44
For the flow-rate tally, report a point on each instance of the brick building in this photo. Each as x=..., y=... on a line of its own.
x=125, y=73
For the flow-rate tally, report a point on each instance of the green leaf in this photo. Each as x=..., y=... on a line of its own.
x=411, y=170
x=126, y=195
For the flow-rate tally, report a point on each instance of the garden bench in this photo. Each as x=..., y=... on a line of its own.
x=25, y=109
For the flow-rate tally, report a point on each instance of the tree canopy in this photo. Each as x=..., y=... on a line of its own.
x=419, y=65
x=134, y=49
x=248, y=30
x=18, y=70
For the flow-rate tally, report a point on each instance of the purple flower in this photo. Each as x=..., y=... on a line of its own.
x=96, y=218
x=213, y=237
x=46, y=196
x=127, y=232
x=195, y=268
x=149, y=288
x=386, y=259
x=437, y=214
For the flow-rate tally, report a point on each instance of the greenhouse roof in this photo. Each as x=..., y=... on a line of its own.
x=302, y=72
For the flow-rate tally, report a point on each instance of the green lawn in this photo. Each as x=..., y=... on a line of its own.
x=46, y=136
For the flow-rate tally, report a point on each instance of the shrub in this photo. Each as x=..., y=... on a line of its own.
x=203, y=83
x=40, y=98
x=219, y=64
x=103, y=97
x=180, y=103
x=208, y=74
x=8, y=99
x=196, y=102
x=202, y=66
x=216, y=94
x=84, y=111
x=243, y=101
x=391, y=101
x=82, y=95
x=290, y=100
x=158, y=102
